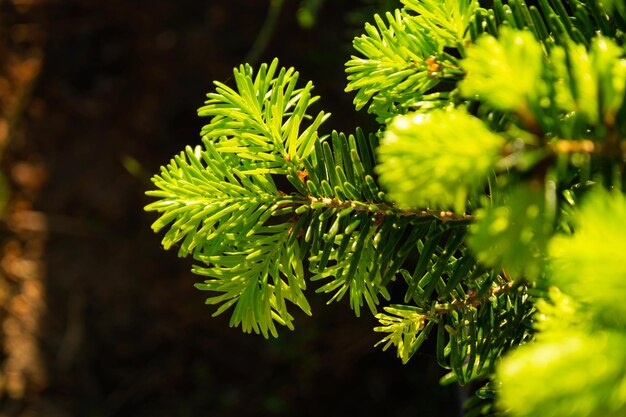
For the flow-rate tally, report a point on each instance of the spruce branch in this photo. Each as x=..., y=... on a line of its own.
x=257, y=276
x=400, y=65
x=407, y=329
x=388, y=209
x=480, y=193
x=447, y=19
x=202, y=198
x=220, y=200
x=222, y=205
x=262, y=121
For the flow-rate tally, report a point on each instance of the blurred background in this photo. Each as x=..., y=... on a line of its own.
x=96, y=320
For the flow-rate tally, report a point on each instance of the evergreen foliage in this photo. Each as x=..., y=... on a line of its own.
x=491, y=197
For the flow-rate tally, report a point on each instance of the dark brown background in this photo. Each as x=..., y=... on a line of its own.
x=98, y=320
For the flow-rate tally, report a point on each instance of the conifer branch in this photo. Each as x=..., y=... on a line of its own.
x=484, y=190
x=387, y=209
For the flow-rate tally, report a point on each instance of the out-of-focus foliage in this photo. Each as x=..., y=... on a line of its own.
x=437, y=159
x=575, y=367
x=594, y=254
x=513, y=235
x=490, y=198
x=581, y=329
x=504, y=71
